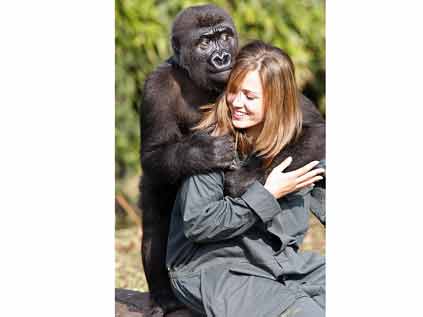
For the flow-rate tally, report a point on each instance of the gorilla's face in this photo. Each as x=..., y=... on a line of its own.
x=209, y=55
x=206, y=49
x=214, y=49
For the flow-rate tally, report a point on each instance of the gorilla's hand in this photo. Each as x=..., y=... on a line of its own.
x=206, y=152
x=237, y=180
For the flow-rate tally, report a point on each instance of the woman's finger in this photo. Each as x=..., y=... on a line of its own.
x=282, y=166
x=308, y=182
x=306, y=168
x=310, y=174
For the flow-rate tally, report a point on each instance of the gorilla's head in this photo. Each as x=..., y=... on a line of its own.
x=205, y=42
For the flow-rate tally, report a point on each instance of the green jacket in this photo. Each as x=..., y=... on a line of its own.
x=216, y=242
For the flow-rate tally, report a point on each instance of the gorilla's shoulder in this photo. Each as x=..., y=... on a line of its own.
x=163, y=79
x=163, y=74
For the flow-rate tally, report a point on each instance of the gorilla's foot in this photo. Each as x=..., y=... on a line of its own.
x=164, y=303
x=155, y=311
x=158, y=311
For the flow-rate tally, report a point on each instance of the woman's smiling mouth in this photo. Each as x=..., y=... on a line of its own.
x=238, y=115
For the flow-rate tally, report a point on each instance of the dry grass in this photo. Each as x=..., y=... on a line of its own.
x=315, y=240
x=129, y=272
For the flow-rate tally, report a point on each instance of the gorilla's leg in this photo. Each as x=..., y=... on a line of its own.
x=156, y=206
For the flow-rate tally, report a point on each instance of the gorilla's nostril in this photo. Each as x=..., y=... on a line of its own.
x=218, y=60
x=221, y=60
x=225, y=60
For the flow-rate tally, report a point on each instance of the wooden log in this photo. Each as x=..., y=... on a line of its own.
x=129, y=303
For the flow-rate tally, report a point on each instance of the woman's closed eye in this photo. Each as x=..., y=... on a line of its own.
x=249, y=94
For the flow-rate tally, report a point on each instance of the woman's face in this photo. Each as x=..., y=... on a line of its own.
x=247, y=109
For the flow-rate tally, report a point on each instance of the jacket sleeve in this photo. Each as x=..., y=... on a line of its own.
x=209, y=216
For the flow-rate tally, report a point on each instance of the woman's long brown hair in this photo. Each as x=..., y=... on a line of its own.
x=283, y=118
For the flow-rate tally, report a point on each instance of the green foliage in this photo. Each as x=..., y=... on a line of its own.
x=142, y=43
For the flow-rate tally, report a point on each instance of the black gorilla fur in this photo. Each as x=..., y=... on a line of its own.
x=205, y=42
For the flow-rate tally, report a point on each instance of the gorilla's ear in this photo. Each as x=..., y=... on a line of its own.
x=176, y=46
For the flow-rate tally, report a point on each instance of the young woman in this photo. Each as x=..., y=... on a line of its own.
x=239, y=256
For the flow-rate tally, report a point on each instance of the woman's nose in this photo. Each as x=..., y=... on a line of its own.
x=237, y=102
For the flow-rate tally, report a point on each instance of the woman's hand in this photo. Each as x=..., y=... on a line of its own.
x=280, y=184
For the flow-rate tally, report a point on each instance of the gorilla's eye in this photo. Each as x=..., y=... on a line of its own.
x=204, y=42
x=224, y=36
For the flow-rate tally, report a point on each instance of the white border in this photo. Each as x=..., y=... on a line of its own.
x=57, y=161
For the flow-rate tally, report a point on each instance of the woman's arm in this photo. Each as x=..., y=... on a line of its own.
x=209, y=216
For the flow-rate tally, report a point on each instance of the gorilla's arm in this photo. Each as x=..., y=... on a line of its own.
x=309, y=147
x=310, y=113
x=237, y=180
x=178, y=157
x=166, y=152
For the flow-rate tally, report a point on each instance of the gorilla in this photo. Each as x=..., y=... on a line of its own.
x=204, y=42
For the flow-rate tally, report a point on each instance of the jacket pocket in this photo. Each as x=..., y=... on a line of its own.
x=188, y=291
